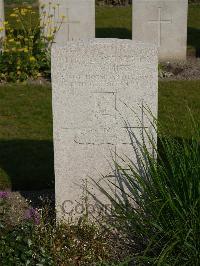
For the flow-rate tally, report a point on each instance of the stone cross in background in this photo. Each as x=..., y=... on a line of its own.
x=76, y=16
x=164, y=23
x=68, y=25
x=2, y=18
x=95, y=85
x=159, y=23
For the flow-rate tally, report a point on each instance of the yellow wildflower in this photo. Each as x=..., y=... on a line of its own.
x=32, y=59
x=23, y=11
x=13, y=15
x=25, y=50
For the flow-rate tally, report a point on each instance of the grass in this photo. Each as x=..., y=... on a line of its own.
x=26, y=162
x=26, y=149
x=157, y=203
x=26, y=146
x=25, y=112
x=114, y=22
x=176, y=98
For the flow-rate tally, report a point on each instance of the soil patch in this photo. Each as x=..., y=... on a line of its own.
x=184, y=70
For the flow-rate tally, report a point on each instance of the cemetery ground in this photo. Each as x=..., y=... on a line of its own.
x=26, y=109
x=26, y=128
x=26, y=161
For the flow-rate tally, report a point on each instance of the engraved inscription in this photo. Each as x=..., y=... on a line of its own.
x=107, y=130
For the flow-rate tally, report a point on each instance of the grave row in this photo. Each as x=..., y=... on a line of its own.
x=159, y=22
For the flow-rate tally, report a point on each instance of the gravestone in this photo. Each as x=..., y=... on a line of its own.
x=96, y=83
x=74, y=18
x=2, y=31
x=163, y=23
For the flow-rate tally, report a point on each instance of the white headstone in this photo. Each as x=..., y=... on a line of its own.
x=74, y=18
x=2, y=18
x=163, y=23
x=95, y=85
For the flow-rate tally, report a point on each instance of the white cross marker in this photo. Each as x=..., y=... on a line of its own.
x=159, y=23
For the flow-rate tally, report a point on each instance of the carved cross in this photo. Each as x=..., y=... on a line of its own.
x=67, y=22
x=159, y=23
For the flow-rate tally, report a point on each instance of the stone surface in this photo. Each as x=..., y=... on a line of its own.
x=74, y=18
x=163, y=23
x=2, y=33
x=95, y=85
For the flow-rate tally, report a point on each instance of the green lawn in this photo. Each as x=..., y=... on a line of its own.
x=114, y=22
x=177, y=99
x=26, y=147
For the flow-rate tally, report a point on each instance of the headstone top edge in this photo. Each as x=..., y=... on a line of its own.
x=105, y=41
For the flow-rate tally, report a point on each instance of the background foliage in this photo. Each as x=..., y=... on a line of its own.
x=26, y=46
x=105, y=2
x=19, y=1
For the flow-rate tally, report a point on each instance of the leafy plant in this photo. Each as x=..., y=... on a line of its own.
x=37, y=240
x=19, y=246
x=25, y=51
x=3, y=205
x=157, y=202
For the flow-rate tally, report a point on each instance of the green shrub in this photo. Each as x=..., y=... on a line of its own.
x=160, y=202
x=19, y=246
x=26, y=48
x=3, y=208
x=45, y=244
x=37, y=240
